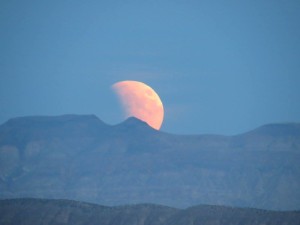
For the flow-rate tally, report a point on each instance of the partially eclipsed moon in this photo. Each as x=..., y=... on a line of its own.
x=141, y=101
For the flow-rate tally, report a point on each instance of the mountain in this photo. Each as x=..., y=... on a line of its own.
x=53, y=212
x=82, y=158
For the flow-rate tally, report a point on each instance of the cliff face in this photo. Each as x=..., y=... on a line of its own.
x=82, y=158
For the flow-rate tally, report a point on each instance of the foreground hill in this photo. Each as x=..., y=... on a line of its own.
x=53, y=212
x=82, y=158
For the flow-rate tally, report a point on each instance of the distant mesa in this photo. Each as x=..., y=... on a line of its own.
x=53, y=119
x=23, y=129
x=278, y=130
x=69, y=119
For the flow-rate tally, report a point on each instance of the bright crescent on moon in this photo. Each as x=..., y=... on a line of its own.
x=141, y=101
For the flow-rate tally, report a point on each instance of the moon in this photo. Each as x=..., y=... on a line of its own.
x=141, y=101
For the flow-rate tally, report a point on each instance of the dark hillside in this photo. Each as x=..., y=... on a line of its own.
x=54, y=212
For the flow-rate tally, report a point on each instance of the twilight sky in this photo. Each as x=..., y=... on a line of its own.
x=221, y=67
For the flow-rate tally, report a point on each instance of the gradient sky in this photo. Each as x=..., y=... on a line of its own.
x=221, y=67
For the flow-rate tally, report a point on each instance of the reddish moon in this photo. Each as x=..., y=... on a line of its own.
x=141, y=101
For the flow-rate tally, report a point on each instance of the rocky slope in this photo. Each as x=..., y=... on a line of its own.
x=82, y=158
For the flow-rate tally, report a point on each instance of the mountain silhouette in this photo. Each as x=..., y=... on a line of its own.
x=53, y=212
x=79, y=157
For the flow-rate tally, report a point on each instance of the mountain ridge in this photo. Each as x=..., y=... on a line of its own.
x=48, y=212
x=82, y=158
x=133, y=122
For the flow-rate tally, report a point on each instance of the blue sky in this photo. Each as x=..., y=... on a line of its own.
x=221, y=67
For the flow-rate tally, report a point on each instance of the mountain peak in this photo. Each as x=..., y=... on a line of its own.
x=131, y=122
